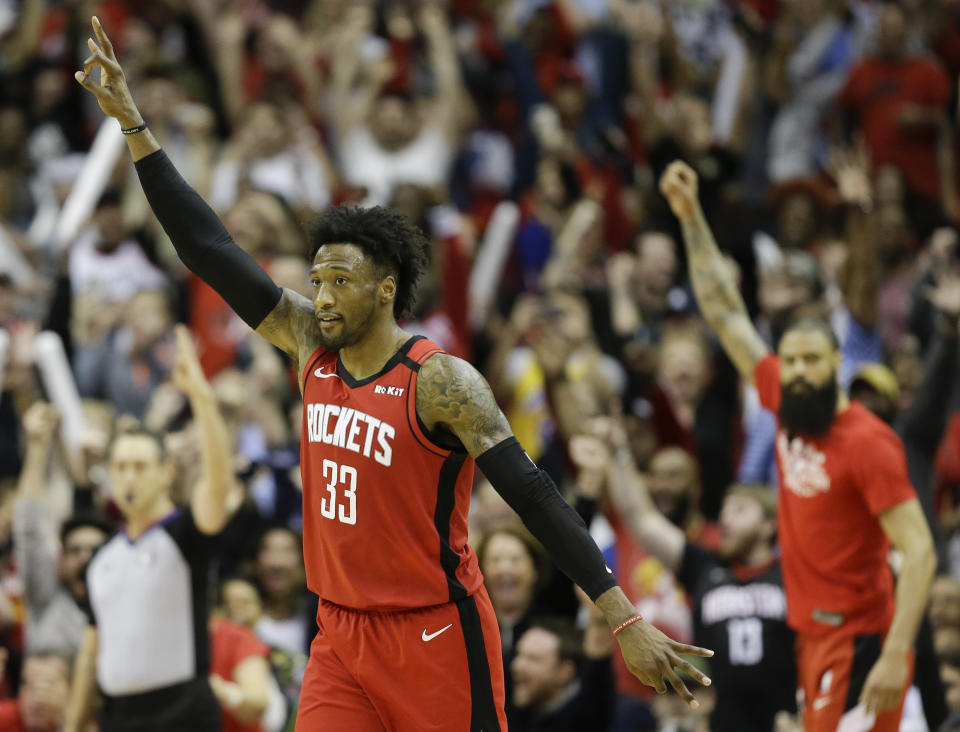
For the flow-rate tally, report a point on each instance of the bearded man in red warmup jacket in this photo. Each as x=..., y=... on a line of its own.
x=844, y=499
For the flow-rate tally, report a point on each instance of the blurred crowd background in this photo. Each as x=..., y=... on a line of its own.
x=552, y=119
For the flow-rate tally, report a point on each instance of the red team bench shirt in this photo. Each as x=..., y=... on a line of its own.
x=831, y=490
x=384, y=507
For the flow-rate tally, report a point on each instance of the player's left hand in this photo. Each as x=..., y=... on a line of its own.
x=885, y=683
x=653, y=658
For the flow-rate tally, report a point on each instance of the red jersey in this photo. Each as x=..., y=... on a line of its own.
x=384, y=507
x=832, y=488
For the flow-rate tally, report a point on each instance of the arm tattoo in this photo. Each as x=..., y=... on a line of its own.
x=453, y=397
x=718, y=297
x=292, y=327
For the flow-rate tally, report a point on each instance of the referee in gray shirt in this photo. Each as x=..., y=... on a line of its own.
x=147, y=645
x=54, y=587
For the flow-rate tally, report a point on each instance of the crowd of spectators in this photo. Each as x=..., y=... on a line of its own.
x=823, y=134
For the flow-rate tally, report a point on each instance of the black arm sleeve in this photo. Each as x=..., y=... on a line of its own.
x=534, y=496
x=203, y=243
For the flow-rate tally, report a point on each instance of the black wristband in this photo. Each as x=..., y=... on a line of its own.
x=134, y=130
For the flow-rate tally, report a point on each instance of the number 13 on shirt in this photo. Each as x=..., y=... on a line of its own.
x=345, y=477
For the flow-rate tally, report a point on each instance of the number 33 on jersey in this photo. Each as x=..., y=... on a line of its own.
x=384, y=506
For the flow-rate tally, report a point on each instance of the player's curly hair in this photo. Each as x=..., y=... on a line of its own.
x=395, y=245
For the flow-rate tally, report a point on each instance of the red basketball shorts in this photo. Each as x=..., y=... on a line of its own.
x=437, y=668
x=832, y=670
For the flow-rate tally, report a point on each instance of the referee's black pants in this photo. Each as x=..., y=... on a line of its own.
x=186, y=707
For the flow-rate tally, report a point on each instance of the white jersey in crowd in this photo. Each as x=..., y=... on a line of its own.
x=115, y=276
x=425, y=161
x=295, y=175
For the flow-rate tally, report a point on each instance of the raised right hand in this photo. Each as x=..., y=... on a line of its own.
x=678, y=184
x=112, y=93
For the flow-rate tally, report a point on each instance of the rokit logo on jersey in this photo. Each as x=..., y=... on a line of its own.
x=332, y=424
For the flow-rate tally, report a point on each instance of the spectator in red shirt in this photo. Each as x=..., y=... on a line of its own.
x=845, y=498
x=239, y=675
x=899, y=104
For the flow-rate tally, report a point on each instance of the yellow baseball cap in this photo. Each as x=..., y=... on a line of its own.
x=879, y=378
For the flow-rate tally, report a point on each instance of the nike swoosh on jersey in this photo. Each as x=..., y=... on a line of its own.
x=431, y=636
x=319, y=373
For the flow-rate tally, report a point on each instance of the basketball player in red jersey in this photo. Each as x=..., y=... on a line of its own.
x=391, y=425
x=844, y=498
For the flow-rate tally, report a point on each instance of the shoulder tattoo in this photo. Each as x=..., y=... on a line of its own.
x=454, y=397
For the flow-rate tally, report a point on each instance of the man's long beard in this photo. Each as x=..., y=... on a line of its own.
x=812, y=411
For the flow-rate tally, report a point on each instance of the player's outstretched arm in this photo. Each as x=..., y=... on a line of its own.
x=282, y=317
x=717, y=294
x=454, y=399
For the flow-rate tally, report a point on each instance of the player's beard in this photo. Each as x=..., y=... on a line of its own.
x=348, y=334
x=335, y=342
x=808, y=413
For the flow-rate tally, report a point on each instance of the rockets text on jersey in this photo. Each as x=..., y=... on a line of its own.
x=351, y=429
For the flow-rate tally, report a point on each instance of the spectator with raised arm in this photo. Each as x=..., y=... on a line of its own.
x=383, y=137
x=273, y=149
x=669, y=46
x=813, y=46
x=736, y=592
x=651, y=584
x=55, y=591
x=898, y=101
